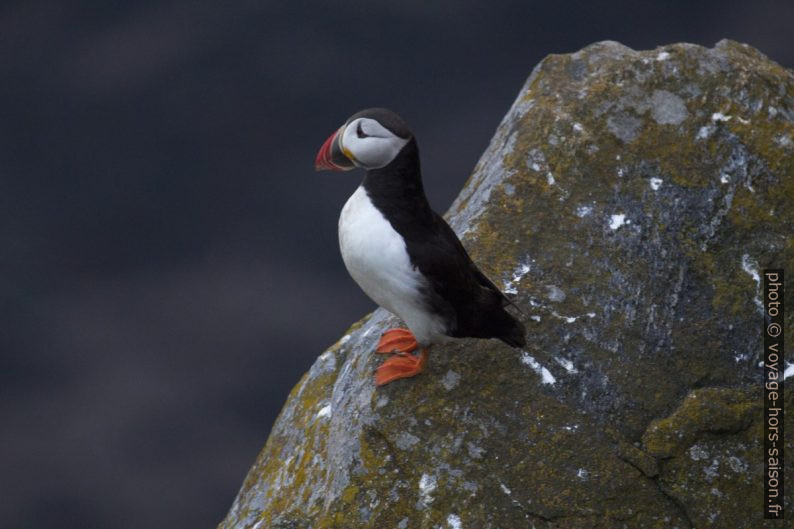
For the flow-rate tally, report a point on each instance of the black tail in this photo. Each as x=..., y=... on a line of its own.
x=515, y=335
x=511, y=331
x=488, y=319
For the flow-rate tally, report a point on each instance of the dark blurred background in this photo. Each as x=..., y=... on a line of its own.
x=169, y=265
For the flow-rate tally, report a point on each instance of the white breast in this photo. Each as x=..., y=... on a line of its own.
x=377, y=259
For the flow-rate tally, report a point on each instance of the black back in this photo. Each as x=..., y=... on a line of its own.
x=471, y=305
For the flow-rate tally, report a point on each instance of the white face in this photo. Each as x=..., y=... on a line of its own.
x=369, y=144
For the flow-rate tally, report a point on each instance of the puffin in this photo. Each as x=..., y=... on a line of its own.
x=404, y=255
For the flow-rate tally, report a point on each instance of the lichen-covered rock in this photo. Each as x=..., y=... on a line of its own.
x=629, y=200
x=711, y=448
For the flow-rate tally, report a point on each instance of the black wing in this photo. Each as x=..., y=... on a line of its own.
x=481, y=277
x=458, y=289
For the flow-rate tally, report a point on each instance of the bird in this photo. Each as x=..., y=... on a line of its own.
x=403, y=254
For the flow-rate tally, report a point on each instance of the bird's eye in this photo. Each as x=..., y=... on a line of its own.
x=360, y=131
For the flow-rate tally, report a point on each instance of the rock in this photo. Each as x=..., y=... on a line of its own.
x=712, y=445
x=629, y=200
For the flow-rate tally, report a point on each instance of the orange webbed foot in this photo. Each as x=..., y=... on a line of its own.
x=401, y=365
x=397, y=341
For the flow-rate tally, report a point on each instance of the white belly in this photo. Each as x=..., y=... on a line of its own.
x=376, y=257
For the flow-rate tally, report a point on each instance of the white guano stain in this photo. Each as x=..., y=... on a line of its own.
x=719, y=116
x=566, y=364
x=583, y=211
x=325, y=411
x=453, y=521
x=617, y=220
x=572, y=319
x=536, y=160
x=750, y=268
x=545, y=374
x=427, y=485
x=662, y=56
x=510, y=286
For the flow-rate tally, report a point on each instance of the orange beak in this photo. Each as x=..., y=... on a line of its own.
x=330, y=156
